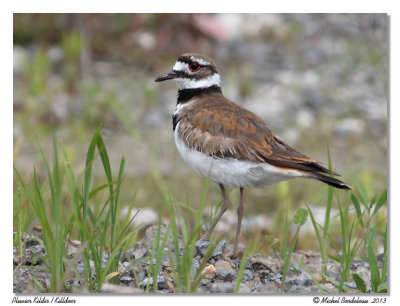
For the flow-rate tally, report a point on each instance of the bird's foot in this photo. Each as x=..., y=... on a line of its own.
x=234, y=255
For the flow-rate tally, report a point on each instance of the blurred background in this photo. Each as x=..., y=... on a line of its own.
x=318, y=80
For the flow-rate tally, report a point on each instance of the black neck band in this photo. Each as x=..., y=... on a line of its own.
x=184, y=95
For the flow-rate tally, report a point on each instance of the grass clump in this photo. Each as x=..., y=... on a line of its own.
x=64, y=213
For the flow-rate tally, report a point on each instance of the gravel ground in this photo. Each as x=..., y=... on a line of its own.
x=262, y=274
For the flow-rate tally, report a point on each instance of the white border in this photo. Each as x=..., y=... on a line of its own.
x=8, y=7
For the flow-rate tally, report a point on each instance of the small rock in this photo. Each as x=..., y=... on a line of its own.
x=161, y=282
x=379, y=258
x=202, y=247
x=195, y=266
x=219, y=250
x=144, y=216
x=141, y=275
x=333, y=275
x=208, y=272
x=317, y=277
x=265, y=263
x=351, y=285
x=308, y=282
x=224, y=271
x=222, y=288
x=125, y=279
x=268, y=288
x=126, y=264
x=293, y=289
x=356, y=263
x=223, y=264
x=34, y=255
x=309, y=289
x=30, y=240
x=247, y=275
x=228, y=276
x=244, y=288
x=137, y=252
x=274, y=276
x=263, y=274
x=112, y=288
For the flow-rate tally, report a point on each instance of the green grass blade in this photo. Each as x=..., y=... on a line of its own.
x=357, y=207
x=316, y=230
x=382, y=200
x=242, y=266
x=88, y=174
x=382, y=288
x=373, y=266
x=384, y=263
x=363, y=195
x=100, y=188
x=285, y=233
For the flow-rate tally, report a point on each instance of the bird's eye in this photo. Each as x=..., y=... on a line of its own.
x=195, y=66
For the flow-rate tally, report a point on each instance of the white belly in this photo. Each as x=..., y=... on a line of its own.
x=232, y=172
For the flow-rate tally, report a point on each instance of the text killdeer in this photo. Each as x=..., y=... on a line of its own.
x=227, y=143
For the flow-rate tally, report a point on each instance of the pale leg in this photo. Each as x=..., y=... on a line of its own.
x=224, y=207
x=239, y=223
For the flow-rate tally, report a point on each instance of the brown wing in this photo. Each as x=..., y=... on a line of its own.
x=221, y=128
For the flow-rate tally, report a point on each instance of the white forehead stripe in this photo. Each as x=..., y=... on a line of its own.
x=181, y=66
x=209, y=81
x=199, y=60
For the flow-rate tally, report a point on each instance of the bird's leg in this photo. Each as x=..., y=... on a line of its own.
x=239, y=223
x=224, y=207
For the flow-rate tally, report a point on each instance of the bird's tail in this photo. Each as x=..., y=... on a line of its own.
x=327, y=180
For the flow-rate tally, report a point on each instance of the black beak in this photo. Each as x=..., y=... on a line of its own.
x=168, y=76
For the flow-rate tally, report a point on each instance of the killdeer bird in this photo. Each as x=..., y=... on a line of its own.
x=228, y=144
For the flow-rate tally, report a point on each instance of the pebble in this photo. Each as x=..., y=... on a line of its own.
x=351, y=285
x=308, y=282
x=224, y=271
x=141, y=275
x=34, y=255
x=195, y=266
x=333, y=275
x=208, y=272
x=125, y=279
x=202, y=247
x=112, y=288
x=274, y=276
x=247, y=275
x=161, y=282
x=267, y=288
x=222, y=288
